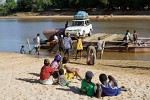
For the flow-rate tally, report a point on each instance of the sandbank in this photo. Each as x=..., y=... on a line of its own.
x=20, y=73
x=94, y=17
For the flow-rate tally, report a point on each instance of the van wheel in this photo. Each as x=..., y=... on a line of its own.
x=90, y=33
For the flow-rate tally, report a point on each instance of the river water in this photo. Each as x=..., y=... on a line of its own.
x=13, y=33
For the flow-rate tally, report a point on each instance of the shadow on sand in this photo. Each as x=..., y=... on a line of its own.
x=132, y=67
x=29, y=80
x=74, y=89
x=35, y=74
x=77, y=63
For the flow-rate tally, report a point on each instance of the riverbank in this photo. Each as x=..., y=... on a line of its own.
x=20, y=73
x=61, y=16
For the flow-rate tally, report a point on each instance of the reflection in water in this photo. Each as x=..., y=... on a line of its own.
x=13, y=33
x=126, y=56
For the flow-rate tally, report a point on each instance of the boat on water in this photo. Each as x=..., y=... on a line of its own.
x=142, y=46
x=121, y=46
x=115, y=45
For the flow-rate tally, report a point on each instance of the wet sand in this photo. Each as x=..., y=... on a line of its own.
x=20, y=73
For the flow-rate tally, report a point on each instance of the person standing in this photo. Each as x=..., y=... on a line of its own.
x=127, y=36
x=37, y=44
x=100, y=46
x=67, y=41
x=61, y=45
x=135, y=37
x=79, y=47
x=66, y=25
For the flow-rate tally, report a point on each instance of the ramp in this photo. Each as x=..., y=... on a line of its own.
x=54, y=48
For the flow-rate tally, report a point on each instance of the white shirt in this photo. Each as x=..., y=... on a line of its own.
x=99, y=45
x=38, y=39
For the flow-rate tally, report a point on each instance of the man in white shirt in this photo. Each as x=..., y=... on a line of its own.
x=37, y=44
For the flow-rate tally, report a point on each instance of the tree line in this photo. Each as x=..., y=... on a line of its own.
x=12, y=6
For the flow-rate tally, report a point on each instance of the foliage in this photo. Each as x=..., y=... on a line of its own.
x=45, y=5
x=24, y=5
x=8, y=7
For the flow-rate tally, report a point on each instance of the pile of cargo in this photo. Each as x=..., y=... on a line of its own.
x=81, y=15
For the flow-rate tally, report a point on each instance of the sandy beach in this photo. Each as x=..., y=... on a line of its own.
x=20, y=73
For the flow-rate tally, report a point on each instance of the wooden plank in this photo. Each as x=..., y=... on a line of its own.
x=29, y=47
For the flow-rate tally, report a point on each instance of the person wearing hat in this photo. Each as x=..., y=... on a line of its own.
x=87, y=86
x=56, y=65
x=46, y=72
x=56, y=62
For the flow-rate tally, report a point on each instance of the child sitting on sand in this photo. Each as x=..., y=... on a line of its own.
x=88, y=87
x=22, y=50
x=69, y=72
x=108, y=88
x=46, y=72
x=62, y=79
x=56, y=64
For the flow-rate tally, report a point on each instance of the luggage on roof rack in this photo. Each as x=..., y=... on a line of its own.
x=81, y=15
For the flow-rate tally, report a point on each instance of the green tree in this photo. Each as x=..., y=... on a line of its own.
x=43, y=5
x=24, y=5
x=8, y=7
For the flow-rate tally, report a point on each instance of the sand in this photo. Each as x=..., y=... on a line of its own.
x=92, y=17
x=20, y=73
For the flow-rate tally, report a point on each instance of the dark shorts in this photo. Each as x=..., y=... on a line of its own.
x=78, y=51
x=37, y=48
x=67, y=50
x=135, y=39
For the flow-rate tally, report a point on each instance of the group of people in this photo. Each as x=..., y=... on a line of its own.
x=59, y=72
x=36, y=46
x=133, y=38
x=104, y=88
x=65, y=45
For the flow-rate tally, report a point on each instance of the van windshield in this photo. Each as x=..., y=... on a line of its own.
x=78, y=23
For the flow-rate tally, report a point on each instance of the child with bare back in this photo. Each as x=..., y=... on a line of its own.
x=69, y=72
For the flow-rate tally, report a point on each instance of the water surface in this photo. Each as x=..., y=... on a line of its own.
x=13, y=33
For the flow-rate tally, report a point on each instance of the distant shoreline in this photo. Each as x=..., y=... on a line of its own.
x=140, y=17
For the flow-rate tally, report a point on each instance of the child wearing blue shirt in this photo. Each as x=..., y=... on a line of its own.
x=108, y=88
